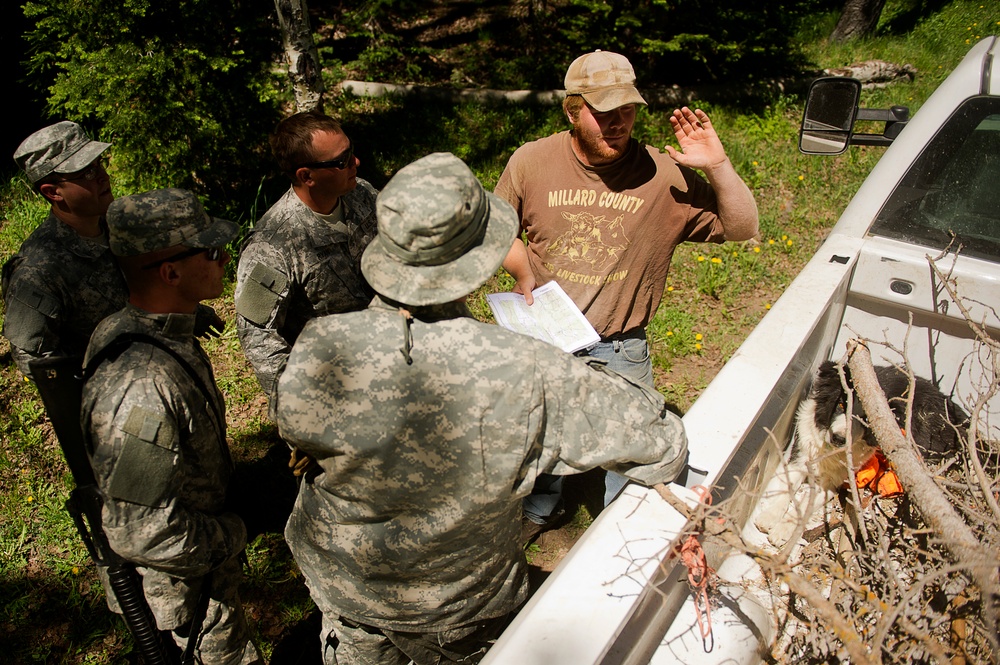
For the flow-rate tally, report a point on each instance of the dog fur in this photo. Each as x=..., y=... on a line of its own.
x=819, y=449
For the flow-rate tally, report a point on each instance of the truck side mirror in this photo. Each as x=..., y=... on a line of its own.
x=831, y=109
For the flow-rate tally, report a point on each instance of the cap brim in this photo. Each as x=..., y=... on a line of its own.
x=434, y=285
x=82, y=158
x=608, y=99
x=219, y=234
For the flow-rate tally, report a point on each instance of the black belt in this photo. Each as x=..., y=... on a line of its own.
x=635, y=333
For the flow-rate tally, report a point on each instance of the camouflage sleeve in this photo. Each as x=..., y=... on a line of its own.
x=31, y=317
x=262, y=286
x=139, y=463
x=596, y=417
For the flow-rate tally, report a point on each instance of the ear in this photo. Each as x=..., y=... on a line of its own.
x=50, y=191
x=303, y=176
x=168, y=273
x=569, y=116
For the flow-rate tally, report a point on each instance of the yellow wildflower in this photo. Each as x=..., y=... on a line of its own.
x=698, y=337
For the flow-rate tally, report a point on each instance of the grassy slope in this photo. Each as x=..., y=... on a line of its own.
x=53, y=608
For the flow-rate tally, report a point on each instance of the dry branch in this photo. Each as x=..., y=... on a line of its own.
x=724, y=531
x=933, y=504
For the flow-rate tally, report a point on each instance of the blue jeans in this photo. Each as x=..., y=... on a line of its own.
x=627, y=354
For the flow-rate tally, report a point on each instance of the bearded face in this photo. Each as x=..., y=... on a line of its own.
x=601, y=138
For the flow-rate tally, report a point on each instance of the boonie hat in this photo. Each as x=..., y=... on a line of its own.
x=606, y=80
x=59, y=148
x=440, y=234
x=162, y=218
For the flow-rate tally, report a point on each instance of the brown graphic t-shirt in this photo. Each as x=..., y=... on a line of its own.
x=607, y=233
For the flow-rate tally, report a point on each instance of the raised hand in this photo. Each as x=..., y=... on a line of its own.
x=700, y=146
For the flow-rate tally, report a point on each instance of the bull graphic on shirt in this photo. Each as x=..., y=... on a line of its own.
x=591, y=243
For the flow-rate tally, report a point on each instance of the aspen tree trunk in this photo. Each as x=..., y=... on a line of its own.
x=300, y=54
x=859, y=19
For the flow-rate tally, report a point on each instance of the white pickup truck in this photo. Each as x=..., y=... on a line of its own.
x=618, y=597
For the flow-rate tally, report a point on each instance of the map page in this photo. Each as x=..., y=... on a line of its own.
x=552, y=318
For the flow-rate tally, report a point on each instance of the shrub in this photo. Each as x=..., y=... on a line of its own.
x=180, y=87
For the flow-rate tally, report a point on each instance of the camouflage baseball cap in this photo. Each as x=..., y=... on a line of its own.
x=440, y=234
x=59, y=148
x=606, y=80
x=162, y=218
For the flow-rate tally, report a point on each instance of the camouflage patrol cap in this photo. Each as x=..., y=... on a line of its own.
x=604, y=79
x=162, y=218
x=440, y=234
x=59, y=148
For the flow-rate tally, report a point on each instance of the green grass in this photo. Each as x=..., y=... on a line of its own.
x=52, y=605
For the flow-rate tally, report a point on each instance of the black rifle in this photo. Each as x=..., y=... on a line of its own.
x=60, y=385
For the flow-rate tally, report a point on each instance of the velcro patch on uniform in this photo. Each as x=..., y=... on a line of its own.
x=143, y=470
x=39, y=301
x=260, y=294
x=27, y=318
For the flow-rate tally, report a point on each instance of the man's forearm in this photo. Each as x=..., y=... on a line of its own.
x=737, y=208
x=516, y=262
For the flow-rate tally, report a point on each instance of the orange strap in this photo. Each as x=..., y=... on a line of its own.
x=700, y=575
x=877, y=475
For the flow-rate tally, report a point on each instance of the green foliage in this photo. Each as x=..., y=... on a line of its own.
x=673, y=328
x=667, y=42
x=180, y=87
x=22, y=209
x=690, y=42
x=388, y=134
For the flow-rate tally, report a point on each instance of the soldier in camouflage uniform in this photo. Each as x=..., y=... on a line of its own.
x=63, y=280
x=157, y=426
x=303, y=257
x=428, y=428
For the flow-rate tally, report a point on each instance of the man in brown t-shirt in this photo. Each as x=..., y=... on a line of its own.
x=603, y=213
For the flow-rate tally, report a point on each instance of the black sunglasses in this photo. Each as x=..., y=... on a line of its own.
x=213, y=255
x=341, y=163
x=89, y=173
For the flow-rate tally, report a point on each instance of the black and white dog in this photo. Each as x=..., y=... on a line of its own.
x=819, y=452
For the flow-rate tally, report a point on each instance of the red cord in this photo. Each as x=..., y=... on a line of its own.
x=699, y=573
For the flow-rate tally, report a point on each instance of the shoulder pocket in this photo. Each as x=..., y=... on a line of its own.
x=144, y=468
x=28, y=315
x=260, y=294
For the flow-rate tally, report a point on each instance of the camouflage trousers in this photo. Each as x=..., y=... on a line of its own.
x=224, y=638
x=348, y=643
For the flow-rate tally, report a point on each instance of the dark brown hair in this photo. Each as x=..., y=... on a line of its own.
x=291, y=142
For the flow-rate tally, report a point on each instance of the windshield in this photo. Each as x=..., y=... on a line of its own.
x=953, y=189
